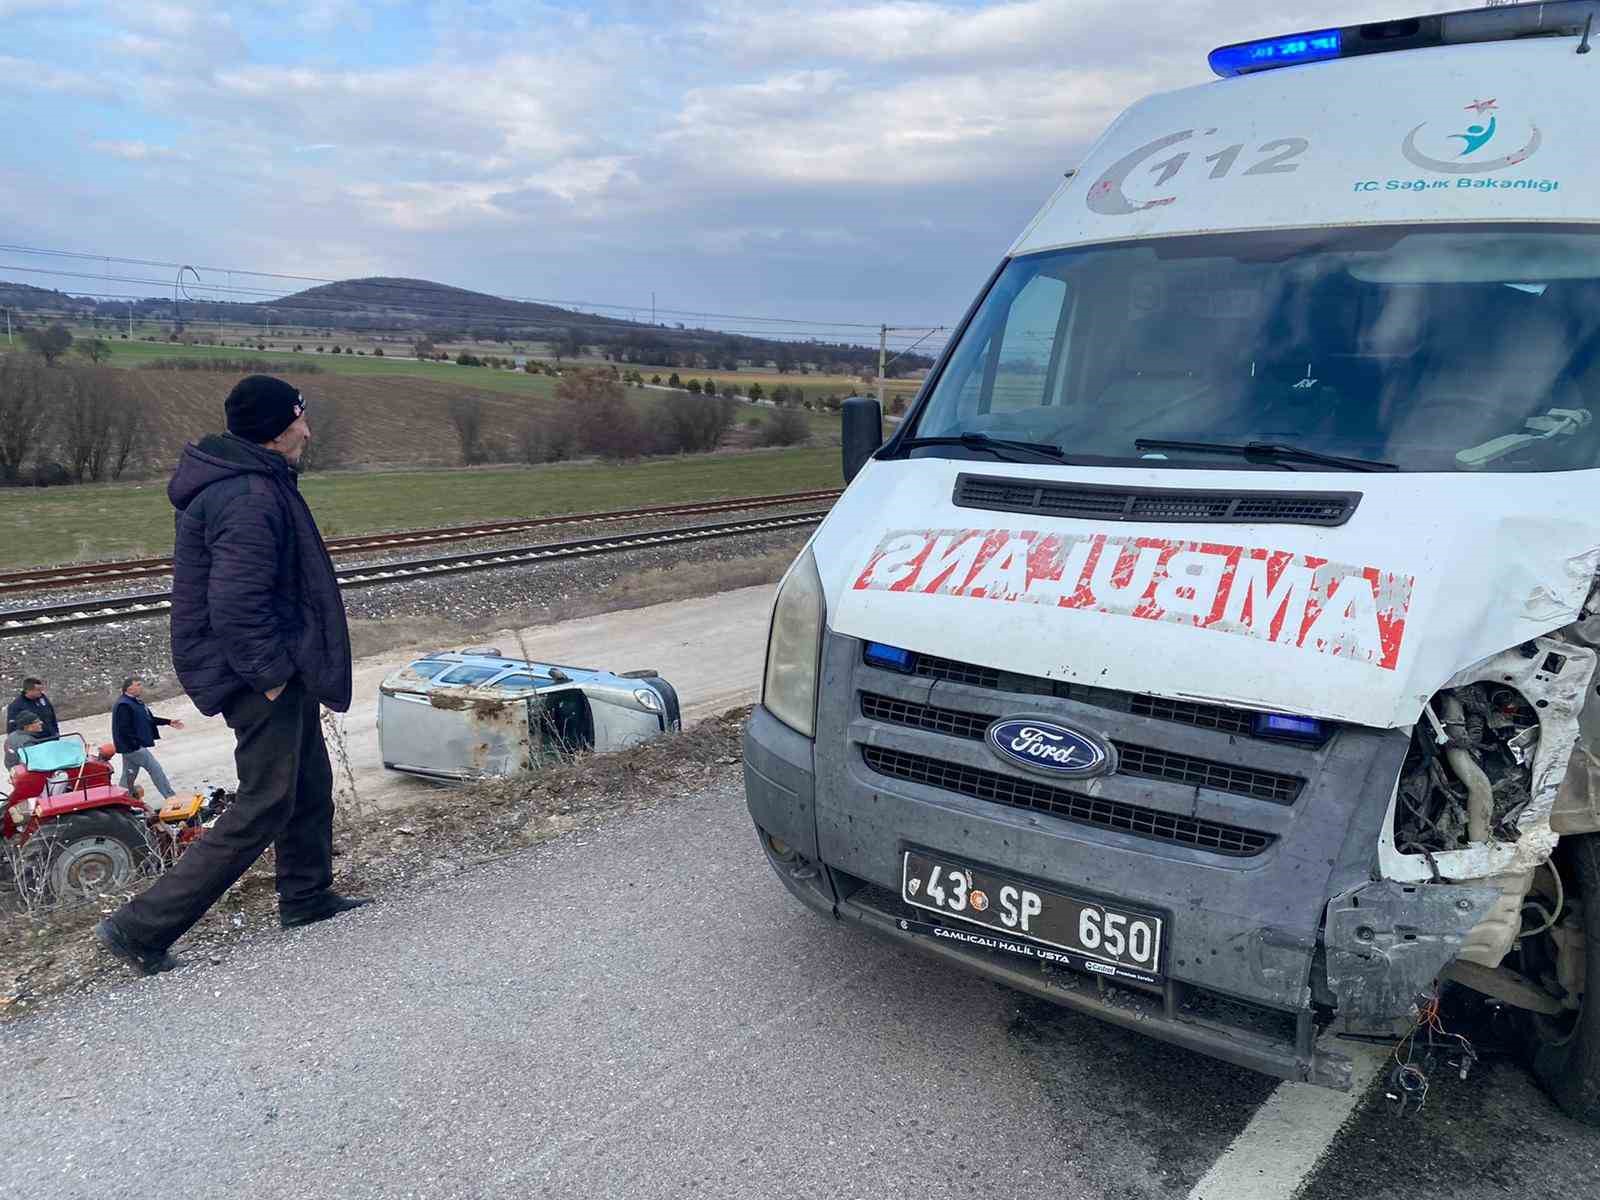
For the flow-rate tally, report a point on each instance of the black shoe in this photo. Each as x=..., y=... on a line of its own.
x=309, y=912
x=140, y=960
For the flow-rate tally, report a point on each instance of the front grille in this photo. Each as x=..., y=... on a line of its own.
x=1189, y=712
x=947, y=669
x=1145, y=762
x=1058, y=802
x=1210, y=505
x=1237, y=721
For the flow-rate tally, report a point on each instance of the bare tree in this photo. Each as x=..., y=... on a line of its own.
x=685, y=423
x=466, y=414
x=85, y=411
x=605, y=422
x=330, y=435
x=130, y=428
x=23, y=405
x=50, y=344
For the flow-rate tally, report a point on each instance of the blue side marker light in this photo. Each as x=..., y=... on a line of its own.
x=890, y=657
x=1283, y=725
x=1244, y=57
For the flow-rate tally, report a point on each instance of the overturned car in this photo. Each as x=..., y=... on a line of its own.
x=473, y=714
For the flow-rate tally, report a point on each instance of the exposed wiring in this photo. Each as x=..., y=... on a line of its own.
x=1550, y=917
x=1408, y=1079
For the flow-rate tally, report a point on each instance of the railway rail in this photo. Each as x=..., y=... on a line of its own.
x=23, y=621
x=111, y=574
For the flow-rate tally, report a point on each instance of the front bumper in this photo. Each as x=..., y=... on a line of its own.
x=1248, y=976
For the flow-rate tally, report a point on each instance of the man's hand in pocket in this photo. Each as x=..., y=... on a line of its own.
x=276, y=692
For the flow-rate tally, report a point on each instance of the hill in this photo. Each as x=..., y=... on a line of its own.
x=428, y=306
x=400, y=309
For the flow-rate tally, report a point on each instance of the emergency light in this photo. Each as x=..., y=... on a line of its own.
x=890, y=657
x=1553, y=18
x=1286, y=725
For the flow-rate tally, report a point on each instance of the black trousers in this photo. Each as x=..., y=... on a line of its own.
x=285, y=800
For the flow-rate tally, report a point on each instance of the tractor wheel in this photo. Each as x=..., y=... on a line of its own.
x=87, y=854
x=1566, y=1049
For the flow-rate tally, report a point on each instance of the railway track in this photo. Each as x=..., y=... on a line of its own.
x=110, y=574
x=19, y=622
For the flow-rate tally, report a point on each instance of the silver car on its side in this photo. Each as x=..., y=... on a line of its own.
x=474, y=714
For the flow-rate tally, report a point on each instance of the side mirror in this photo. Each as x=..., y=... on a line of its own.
x=862, y=432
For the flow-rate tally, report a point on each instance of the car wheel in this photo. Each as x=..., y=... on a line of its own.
x=88, y=854
x=1565, y=1049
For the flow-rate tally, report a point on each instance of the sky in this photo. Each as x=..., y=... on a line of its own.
x=827, y=161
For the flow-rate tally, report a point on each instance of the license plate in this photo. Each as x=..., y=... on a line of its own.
x=1100, y=933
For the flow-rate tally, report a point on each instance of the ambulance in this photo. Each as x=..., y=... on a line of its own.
x=1212, y=648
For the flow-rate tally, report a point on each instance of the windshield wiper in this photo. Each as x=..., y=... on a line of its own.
x=999, y=447
x=1267, y=452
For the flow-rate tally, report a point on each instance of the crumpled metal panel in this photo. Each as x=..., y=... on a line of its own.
x=1387, y=942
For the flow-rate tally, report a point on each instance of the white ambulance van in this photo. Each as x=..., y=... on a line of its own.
x=1209, y=648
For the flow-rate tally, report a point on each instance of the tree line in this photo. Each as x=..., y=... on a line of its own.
x=68, y=424
x=593, y=417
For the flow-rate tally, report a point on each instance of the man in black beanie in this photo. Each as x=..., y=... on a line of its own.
x=258, y=635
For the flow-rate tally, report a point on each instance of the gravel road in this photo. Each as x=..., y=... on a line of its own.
x=641, y=1010
x=668, y=638
x=85, y=666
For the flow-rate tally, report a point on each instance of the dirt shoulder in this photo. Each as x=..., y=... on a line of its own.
x=45, y=958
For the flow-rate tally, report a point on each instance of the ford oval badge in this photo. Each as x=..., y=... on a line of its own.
x=1051, y=748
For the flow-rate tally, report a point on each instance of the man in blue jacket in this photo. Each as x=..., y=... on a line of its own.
x=258, y=635
x=134, y=732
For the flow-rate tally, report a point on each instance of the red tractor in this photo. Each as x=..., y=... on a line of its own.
x=68, y=832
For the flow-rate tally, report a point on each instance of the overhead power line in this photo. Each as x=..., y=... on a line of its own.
x=373, y=285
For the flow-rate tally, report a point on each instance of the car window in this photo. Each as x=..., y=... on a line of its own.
x=518, y=683
x=1021, y=375
x=427, y=667
x=466, y=675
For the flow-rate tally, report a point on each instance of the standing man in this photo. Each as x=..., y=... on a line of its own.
x=32, y=698
x=134, y=731
x=259, y=635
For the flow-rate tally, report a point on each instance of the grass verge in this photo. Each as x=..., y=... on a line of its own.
x=45, y=957
x=57, y=525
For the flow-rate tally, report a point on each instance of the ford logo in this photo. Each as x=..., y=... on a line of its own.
x=1051, y=748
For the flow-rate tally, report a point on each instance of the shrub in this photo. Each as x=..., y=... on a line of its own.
x=235, y=366
x=603, y=421
x=682, y=424
x=785, y=427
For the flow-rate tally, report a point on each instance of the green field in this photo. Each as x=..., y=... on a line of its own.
x=134, y=354
x=57, y=525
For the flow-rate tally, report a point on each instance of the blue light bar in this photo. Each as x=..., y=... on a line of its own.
x=1244, y=57
x=1284, y=725
x=891, y=657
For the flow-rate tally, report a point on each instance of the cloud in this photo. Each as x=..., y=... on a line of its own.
x=862, y=158
x=134, y=151
x=24, y=75
x=818, y=129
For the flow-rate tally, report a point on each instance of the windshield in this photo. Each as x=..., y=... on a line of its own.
x=1437, y=349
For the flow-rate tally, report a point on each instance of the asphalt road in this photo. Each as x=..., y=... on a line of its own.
x=643, y=1011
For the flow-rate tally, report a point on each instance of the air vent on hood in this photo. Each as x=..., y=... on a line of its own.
x=1194, y=505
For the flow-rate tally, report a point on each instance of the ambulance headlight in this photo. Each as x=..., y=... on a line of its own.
x=794, y=647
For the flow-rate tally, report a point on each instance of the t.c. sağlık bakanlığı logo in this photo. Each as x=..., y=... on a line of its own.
x=1473, y=150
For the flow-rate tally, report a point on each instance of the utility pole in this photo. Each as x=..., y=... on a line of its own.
x=10, y=341
x=130, y=320
x=883, y=353
x=652, y=308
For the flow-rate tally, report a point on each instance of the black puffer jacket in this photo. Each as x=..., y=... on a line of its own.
x=254, y=597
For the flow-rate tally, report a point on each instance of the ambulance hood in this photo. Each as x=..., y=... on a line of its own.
x=1359, y=622
x=1494, y=132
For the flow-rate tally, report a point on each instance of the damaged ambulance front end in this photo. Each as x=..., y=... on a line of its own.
x=1211, y=649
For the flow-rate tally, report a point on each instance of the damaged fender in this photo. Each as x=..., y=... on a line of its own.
x=1387, y=942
